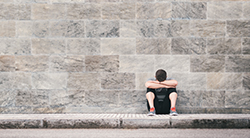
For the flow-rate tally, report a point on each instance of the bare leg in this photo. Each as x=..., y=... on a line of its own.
x=150, y=97
x=173, y=97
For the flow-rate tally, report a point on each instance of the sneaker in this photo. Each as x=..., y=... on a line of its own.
x=152, y=112
x=173, y=112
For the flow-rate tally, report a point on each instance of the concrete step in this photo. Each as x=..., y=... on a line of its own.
x=17, y=121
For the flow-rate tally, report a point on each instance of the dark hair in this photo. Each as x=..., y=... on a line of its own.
x=161, y=75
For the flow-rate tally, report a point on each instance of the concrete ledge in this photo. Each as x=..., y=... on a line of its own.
x=16, y=121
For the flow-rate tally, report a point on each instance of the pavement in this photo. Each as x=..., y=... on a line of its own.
x=121, y=121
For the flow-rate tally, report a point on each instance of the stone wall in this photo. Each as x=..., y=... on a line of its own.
x=94, y=56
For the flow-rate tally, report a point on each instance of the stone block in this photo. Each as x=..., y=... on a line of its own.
x=173, y=63
x=238, y=28
x=20, y=124
x=102, y=1
x=246, y=81
x=128, y=29
x=153, y=46
x=213, y=99
x=75, y=29
x=130, y=123
x=67, y=1
x=58, y=28
x=24, y=11
x=224, y=45
x=84, y=81
x=207, y=28
x=74, y=63
x=189, y=10
x=118, y=46
x=84, y=11
x=49, y=80
x=22, y=80
x=180, y=28
x=228, y=81
x=6, y=80
x=102, y=63
x=48, y=46
x=57, y=64
x=190, y=81
x=141, y=79
x=40, y=29
x=136, y=64
x=15, y=46
x=48, y=11
x=153, y=10
x=187, y=46
x=59, y=98
x=76, y=98
x=224, y=10
x=7, y=29
x=237, y=99
x=7, y=63
x=9, y=11
x=98, y=28
x=118, y=81
x=32, y=63
x=118, y=11
x=154, y=28
x=33, y=98
x=83, y=46
x=7, y=98
x=207, y=63
x=129, y=99
x=189, y=98
x=101, y=98
x=238, y=64
x=245, y=45
x=24, y=28
x=246, y=10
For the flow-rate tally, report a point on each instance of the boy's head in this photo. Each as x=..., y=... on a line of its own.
x=161, y=75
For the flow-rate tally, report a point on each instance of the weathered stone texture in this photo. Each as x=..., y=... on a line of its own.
x=20, y=46
x=40, y=29
x=32, y=98
x=136, y=63
x=246, y=81
x=207, y=63
x=238, y=64
x=101, y=98
x=227, y=81
x=76, y=29
x=246, y=46
x=82, y=81
x=224, y=46
x=187, y=10
x=7, y=63
x=153, y=28
x=32, y=63
x=213, y=99
x=238, y=28
x=118, y=81
x=153, y=46
x=24, y=28
x=118, y=11
x=246, y=10
x=207, y=28
x=115, y=46
x=180, y=28
x=98, y=28
x=173, y=63
x=7, y=29
x=153, y=10
x=49, y=80
x=189, y=98
x=84, y=11
x=224, y=10
x=48, y=11
x=128, y=29
x=6, y=80
x=186, y=46
x=237, y=99
x=22, y=80
x=102, y=63
x=7, y=98
x=48, y=46
x=83, y=46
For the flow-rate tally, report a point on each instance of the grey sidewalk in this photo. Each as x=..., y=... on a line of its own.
x=124, y=121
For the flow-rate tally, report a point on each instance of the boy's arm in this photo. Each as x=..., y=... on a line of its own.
x=164, y=84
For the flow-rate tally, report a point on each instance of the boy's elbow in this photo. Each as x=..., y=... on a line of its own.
x=175, y=83
x=147, y=84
